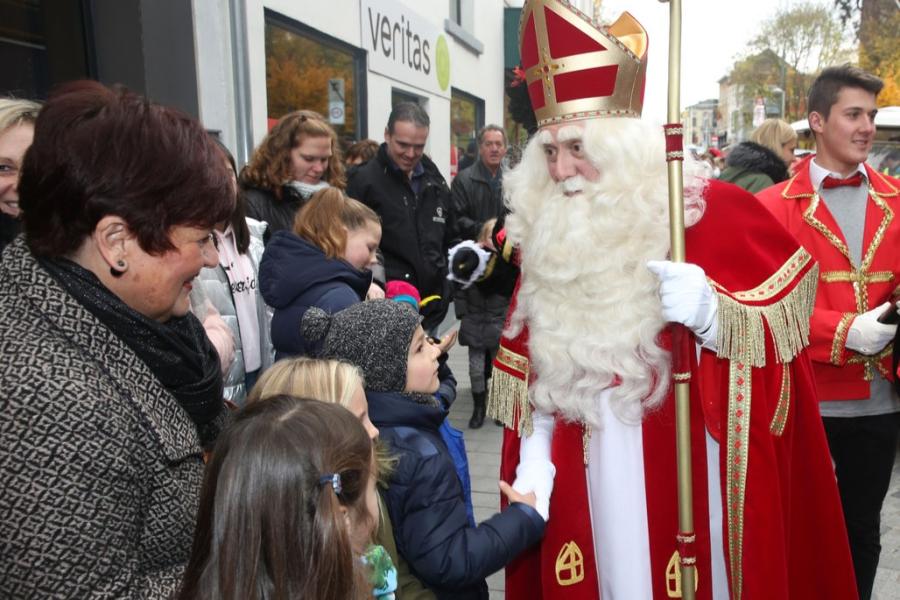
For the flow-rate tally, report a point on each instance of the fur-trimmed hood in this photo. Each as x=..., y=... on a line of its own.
x=754, y=157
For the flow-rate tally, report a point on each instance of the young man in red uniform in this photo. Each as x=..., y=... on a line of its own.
x=847, y=215
x=583, y=376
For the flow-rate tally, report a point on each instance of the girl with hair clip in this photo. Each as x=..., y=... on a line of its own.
x=298, y=157
x=342, y=383
x=324, y=262
x=287, y=507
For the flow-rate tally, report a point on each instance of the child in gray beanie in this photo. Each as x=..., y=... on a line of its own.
x=424, y=496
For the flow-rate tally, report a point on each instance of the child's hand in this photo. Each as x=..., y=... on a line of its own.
x=447, y=341
x=513, y=496
x=375, y=292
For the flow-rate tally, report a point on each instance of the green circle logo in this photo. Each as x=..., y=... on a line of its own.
x=442, y=60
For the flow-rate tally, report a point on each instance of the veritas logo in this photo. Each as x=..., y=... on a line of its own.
x=386, y=37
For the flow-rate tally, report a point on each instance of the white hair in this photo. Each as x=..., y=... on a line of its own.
x=591, y=305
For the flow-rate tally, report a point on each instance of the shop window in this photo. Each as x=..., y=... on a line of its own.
x=398, y=96
x=42, y=43
x=466, y=118
x=306, y=69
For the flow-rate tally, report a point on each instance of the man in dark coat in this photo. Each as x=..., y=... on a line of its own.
x=477, y=194
x=410, y=195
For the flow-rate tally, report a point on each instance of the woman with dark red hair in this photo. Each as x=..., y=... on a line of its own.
x=110, y=388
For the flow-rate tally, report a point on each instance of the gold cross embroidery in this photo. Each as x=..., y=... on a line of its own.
x=860, y=279
x=545, y=68
x=871, y=364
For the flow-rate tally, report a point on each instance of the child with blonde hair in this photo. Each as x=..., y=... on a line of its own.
x=326, y=380
x=324, y=262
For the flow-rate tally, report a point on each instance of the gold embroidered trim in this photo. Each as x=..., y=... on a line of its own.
x=779, y=420
x=776, y=284
x=873, y=363
x=879, y=233
x=859, y=277
x=736, y=466
x=508, y=395
x=809, y=217
x=860, y=280
x=787, y=196
x=681, y=377
x=884, y=181
x=585, y=442
x=741, y=334
x=840, y=338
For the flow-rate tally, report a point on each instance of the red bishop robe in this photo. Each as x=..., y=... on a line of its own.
x=845, y=290
x=783, y=530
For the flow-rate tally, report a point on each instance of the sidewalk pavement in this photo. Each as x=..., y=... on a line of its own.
x=483, y=449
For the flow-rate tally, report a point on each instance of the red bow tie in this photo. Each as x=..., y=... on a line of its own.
x=854, y=180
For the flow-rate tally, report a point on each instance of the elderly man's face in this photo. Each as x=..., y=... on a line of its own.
x=565, y=154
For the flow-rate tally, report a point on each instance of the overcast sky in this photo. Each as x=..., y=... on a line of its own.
x=713, y=33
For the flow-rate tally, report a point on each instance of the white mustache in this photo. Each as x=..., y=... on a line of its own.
x=573, y=185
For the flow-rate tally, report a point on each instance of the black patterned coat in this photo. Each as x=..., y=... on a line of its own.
x=100, y=468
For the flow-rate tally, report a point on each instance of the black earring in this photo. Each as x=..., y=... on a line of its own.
x=118, y=272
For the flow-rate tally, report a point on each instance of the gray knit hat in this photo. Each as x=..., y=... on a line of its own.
x=374, y=335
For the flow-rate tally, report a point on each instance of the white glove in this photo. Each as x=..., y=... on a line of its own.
x=866, y=335
x=687, y=298
x=535, y=472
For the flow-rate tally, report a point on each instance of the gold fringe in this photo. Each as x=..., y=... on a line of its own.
x=508, y=398
x=788, y=321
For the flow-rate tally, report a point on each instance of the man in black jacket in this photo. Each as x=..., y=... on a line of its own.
x=410, y=195
x=477, y=194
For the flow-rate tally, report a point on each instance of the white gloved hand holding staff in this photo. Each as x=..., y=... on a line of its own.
x=687, y=298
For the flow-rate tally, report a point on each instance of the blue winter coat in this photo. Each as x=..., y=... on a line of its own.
x=425, y=501
x=294, y=275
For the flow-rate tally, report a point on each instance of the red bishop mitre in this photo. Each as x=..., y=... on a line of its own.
x=577, y=69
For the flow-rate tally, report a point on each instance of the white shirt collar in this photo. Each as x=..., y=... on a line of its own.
x=818, y=173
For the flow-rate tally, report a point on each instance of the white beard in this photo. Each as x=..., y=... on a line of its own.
x=591, y=305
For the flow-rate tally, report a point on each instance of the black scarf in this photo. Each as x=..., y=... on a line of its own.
x=177, y=352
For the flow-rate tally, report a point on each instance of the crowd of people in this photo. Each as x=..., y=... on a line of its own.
x=231, y=382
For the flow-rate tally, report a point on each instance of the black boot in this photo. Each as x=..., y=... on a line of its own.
x=477, y=419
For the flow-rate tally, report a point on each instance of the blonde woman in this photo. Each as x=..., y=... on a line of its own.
x=340, y=383
x=765, y=159
x=17, y=119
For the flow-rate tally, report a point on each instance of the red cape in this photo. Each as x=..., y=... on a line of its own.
x=784, y=535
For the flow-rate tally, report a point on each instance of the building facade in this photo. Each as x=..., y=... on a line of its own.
x=238, y=65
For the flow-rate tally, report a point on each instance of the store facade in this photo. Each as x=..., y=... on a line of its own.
x=239, y=64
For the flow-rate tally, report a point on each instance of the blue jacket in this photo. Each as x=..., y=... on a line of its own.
x=294, y=275
x=425, y=501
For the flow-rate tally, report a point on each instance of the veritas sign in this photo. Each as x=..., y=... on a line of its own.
x=404, y=46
